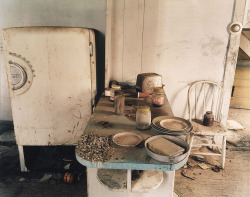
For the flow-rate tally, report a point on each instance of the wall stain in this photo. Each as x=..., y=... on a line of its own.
x=212, y=46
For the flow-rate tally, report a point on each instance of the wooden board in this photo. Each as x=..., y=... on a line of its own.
x=231, y=57
x=242, y=73
x=240, y=103
x=242, y=82
x=242, y=92
x=245, y=43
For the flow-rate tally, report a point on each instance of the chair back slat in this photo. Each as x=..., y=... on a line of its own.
x=213, y=99
x=205, y=96
x=196, y=101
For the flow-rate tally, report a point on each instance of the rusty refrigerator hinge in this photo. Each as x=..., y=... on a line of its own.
x=91, y=49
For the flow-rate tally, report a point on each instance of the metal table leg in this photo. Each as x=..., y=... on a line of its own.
x=128, y=183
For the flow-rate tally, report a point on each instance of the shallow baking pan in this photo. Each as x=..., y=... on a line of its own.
x=167, y=159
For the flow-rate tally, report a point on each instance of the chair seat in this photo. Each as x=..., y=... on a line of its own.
x=216, y=129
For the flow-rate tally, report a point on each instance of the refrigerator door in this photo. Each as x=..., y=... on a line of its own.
x=49, y=75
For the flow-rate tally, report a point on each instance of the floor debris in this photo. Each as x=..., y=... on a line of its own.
x=198, y=158
x=52, y=181
x=45, y=178
x=204, y=166
x=216, y=168
x=184, y=173
x=233, y=137
x=191, y=163
x=185, y=166
x=234, y=125
x=22, y=179
x=66, y=167
x=105, y=124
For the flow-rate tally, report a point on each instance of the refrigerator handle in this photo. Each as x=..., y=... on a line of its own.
x=23, y=73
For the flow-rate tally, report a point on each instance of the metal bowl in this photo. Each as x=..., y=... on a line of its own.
x=167, y=159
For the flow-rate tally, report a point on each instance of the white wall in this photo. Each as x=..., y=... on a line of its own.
x=246, y=21
x=184, y=41
x=69, y=13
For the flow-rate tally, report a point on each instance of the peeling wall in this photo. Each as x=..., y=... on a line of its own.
x=184, y=41
x=68, y=13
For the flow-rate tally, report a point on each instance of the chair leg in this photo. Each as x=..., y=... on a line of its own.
x=190, y=142
x=22, y=161
x=188, y=138
x=224, y=143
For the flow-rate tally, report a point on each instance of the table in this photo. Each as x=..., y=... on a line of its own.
x=132, y=158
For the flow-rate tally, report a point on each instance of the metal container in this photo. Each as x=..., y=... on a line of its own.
x=167, y=159
x=146, y=82
x=107, y=91
x=156, y=125
x=68, y=177
x=208, y=119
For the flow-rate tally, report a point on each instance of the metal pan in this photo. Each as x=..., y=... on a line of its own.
x=156, y=122
x=167, y=159
x=169, y=132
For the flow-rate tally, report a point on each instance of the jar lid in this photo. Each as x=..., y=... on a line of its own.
x=158, y=90
x=117, y=87
x=209, y=112
x=144, y=108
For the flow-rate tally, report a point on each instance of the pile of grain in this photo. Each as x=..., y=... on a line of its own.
x=94, y=148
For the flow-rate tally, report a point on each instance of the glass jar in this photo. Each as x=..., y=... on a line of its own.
x=119, y=104
x=158, y=97
x=143, y=118
x=208, y=119
x=112, y=94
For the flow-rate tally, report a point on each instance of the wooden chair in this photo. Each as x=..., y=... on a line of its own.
x=207, y=96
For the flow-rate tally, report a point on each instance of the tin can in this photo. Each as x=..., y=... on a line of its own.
x=107, y=91
x=112, y=94
x=142, y=95
x=68, y=177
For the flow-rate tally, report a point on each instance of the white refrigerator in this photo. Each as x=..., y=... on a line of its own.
x=52, y=83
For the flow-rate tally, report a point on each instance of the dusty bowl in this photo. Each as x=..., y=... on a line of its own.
x=127, y=139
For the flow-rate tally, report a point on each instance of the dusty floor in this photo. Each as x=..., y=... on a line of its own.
x=40, y=161
x=234, y=181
